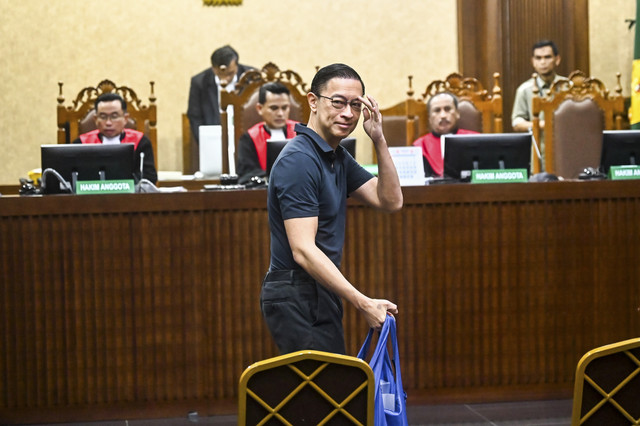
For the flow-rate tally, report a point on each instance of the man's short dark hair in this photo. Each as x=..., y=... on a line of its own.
x=451, y=95
x=274, y=87
x=544, y=43
x=322, y=77
x=224, y=56
x=109, y=97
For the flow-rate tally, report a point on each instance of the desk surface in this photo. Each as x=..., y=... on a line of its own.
x=189, y=184
x=256, y=198
x=133, y=304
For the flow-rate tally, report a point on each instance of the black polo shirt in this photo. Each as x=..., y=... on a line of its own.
x=310, y=179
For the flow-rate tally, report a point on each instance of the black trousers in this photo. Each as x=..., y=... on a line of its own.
x=301, y=313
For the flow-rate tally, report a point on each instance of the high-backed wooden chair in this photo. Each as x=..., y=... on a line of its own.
x=307, y=387
x=405, y=121
x=78, y=118
x=576, y=110
x=244, y=98
x=607, y=386
x=190, y=155
x=480, y=110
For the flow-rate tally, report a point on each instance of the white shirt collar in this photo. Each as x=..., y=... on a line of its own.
x=277, y=134
x=229, y=87
x=110, y=141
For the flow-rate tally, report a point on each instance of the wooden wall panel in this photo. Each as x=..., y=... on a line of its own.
x=497, y=36
x=148, y=305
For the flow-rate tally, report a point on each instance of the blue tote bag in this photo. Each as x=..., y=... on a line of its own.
x=390, y=400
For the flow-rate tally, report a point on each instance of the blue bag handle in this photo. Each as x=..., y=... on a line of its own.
x=384, y=370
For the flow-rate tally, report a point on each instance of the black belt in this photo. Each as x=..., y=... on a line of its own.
x=288, y=274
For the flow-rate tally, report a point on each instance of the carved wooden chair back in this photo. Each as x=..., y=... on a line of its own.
x=245, y=97
x=78, y=117
x=575, y=111
x=480, y=109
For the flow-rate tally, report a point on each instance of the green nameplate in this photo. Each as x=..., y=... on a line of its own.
x=499, y=176
x=624, y=172
x=371, y=168
x=123, y=186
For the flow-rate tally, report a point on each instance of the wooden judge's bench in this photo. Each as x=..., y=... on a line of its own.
x=147, y=305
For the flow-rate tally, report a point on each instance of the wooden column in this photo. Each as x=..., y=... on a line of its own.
x=497, y=35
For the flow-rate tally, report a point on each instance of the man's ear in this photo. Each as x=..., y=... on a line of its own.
x=558, y=59
x=313, y=101
x=259, y=107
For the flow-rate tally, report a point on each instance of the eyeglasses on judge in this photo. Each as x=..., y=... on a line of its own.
x=113, y=117
x=341, y=104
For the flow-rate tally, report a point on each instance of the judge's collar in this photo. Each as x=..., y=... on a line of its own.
x=453, y=132
x=104, y=139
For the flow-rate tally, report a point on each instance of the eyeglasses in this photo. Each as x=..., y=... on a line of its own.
x=113, y=117
x=340, y=104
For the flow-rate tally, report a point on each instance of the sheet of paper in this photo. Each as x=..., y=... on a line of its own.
x=211, y=150
x=408, y=162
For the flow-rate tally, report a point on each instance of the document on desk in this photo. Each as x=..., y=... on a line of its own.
x=408, y=162
x=169, y=189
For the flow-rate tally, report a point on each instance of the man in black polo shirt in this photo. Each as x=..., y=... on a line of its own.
x=310, y=182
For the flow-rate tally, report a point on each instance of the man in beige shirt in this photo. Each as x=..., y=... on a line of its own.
x=545, y=59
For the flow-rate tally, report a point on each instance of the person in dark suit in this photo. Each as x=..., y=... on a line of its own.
x=204, y=93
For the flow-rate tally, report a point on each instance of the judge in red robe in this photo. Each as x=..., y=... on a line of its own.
x=443, y=120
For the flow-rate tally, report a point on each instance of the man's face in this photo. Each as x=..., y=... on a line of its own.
x=110, y=119
x=544, y=61
x=275, y=110
x=443, y=114
x=226, y=72
x=336, y=120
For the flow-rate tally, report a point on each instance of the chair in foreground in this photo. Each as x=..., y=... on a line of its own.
x=607, y=386
x=307, y=387
x=78, y=118
x=576, y=110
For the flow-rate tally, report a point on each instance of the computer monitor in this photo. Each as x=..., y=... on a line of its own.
x=619, y=148
x=350, y=145
x=275, y=147
x=85, y=162
x=482, y=151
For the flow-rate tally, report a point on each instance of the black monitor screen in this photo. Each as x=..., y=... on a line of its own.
x=619, y=148
x=350, y=145
x=482, y=151
x=88, y=161
x=275, y=147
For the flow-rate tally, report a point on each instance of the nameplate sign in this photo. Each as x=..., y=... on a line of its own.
x=499, y=176
x=124, y=186
x=624, y=172
x=371, y=168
